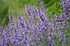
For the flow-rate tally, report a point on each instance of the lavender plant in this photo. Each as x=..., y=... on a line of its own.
x=31, y=33
x=65, y=5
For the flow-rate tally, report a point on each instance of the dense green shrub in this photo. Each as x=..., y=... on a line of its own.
x=3, y=12
x=52, y=6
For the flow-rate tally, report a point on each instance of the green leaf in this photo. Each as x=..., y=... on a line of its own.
x=55, y=34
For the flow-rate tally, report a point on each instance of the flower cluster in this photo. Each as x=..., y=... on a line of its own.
x=41, y=4
x=65, y=5
x=36, y=29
